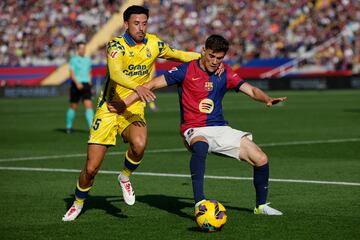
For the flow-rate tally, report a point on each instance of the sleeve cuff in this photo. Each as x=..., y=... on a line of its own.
x=237, y=89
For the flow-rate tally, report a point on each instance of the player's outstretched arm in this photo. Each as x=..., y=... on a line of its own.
x=120, y=106
x=169, y=53
x=183, y=56
x=259, y=95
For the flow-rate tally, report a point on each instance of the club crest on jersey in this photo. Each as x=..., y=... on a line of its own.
x=206, y=105
x=131, y=54
x=148, y=53
x=114, y=53
x=208, y=86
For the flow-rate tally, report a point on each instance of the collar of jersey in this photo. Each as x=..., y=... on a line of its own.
x=130, y=41
x=205, y=71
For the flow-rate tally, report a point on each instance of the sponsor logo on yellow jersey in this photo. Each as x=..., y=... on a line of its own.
x=134, y=70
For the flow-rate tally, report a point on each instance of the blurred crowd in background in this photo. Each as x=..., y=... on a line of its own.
x=44, y=32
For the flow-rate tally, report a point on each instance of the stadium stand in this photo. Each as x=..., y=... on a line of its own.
x=43, y=35
x=45, y=31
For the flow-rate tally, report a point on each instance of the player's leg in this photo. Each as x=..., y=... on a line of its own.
x=70, y=116
x=197, y=142
x=95, y=156
x=199, y=150
x=251, y=153
x=102, y=135
x=89, y=112
x=136, y=135
x=74, y=102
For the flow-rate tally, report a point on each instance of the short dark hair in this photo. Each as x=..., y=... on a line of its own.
x=217, y=43
x=135, y=9
x=80, y=43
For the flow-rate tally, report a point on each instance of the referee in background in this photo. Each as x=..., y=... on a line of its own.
x=80, y=73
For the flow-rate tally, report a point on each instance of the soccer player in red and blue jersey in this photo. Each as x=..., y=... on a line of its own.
x=202, y=122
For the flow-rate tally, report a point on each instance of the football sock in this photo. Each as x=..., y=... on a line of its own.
x=81, y=194
x=89, y=114
x=197, y=168
x=70, y=116
x=129, y=167
x=261, y=183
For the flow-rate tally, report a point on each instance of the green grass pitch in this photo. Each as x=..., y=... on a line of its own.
x=314, y=136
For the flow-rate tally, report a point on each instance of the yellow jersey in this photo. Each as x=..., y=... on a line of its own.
x=130, y=64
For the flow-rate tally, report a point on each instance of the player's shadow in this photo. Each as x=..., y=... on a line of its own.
x=63, y=130
x=171, y=204
x=105, y=203
x=175, y=205
x=352, y=110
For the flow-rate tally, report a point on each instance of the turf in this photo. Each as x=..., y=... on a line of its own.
x=315, y=136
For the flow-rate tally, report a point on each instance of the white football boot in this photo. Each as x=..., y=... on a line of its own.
x=265, y=209
x=127, y=191
x=72, y=213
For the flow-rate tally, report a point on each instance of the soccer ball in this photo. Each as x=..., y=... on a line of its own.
x=210, y=216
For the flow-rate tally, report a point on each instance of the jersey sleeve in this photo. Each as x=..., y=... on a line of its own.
x=166, y=52
x=115, y=53
x=176, y=75
x=234, y=81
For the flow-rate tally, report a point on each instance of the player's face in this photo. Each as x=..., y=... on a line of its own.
x=212, y=60
x=136, y=26
x=81, y=49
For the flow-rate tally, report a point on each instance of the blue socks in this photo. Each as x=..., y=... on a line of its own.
x=70, y=116
x=197, y=169
x=89, y=114
x=261, y=183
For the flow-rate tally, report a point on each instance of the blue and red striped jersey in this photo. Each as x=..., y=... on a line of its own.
x=201, y=94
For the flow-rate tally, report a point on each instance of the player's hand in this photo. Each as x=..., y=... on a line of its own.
x=273, y=101
x=145, y=94
x=117, y=106
x=220, y=69
x=79, y=86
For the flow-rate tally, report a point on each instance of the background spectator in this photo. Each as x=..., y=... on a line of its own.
x=42, y=32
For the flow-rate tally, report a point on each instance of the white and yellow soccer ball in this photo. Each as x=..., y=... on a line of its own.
x=210, y=216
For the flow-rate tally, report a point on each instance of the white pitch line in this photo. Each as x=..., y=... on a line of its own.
x=169, y=150
x=84, y=155
x=310, y=142
x=181, y=175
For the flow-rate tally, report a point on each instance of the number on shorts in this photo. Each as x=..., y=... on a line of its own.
x=97, y=124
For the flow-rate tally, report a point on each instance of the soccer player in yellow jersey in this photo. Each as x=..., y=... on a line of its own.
x=130, y=60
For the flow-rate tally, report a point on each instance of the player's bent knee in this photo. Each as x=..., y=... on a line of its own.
x=138, y=146
x=261, y=159
x=91, y=171
x=200, y=149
